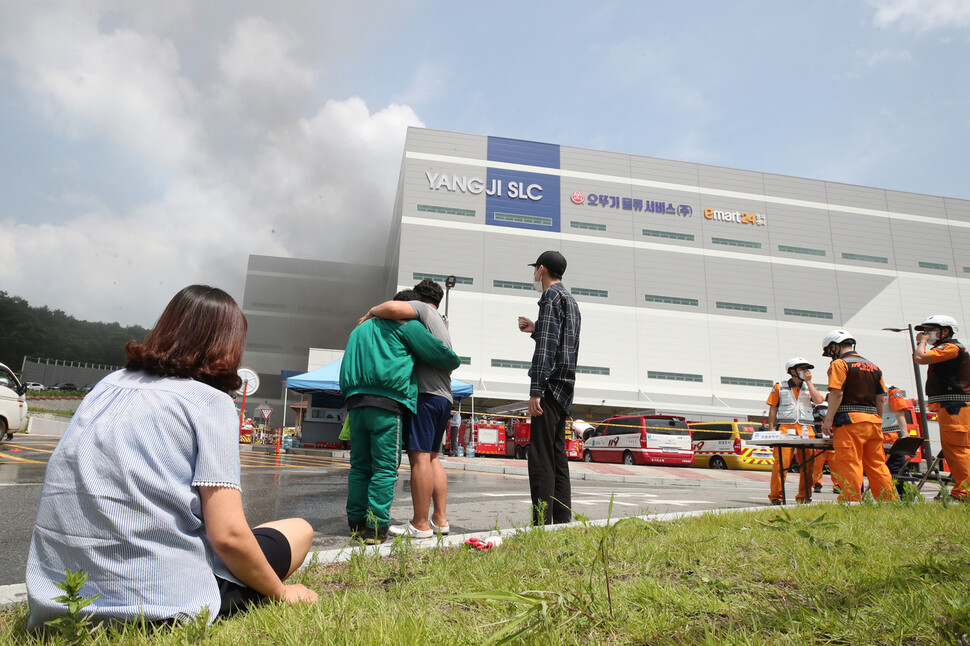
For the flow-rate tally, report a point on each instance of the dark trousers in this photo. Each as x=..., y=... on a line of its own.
x=895, y=462
x=548, y=466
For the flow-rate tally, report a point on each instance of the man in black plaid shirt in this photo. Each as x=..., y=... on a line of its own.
x=553, y=375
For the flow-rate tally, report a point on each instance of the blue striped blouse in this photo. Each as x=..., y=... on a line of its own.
x=121, y=501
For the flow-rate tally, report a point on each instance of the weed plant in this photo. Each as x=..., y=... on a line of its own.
x=893, y=573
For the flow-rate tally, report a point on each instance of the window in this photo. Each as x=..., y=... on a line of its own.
x=523, y=219
x=802, y=250
x=592, y=370
x=966, y=270
x=934, y=265
x=592, y=226
x=711, y=432
x=745, y=381
x=508, y=363
x=427, y=208
x=670, y=300
x=865, y=258
x=812, y=314
x=743, y=307
x=668, y=234
x=582, y=291
x=441, y=278
x=465, y=361
x=512, y=284
x=674, y=376
x=737, y=243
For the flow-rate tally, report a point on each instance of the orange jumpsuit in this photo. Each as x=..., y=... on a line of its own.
x=857, y=435
x=819, y=465
x=955, y=425
x=783, y=455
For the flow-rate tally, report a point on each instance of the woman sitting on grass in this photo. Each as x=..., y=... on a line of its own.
x=143, y=491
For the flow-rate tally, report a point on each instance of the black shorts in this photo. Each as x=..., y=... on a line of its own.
x=276, y=548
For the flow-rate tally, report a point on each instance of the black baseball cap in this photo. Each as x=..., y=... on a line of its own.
x=551, y=260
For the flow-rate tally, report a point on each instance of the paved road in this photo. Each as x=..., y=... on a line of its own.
x=314, y=487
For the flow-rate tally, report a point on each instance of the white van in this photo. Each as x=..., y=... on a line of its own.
x=640, y=439
x=13, y=404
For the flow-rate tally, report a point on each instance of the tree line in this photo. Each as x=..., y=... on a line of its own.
x=52, y=334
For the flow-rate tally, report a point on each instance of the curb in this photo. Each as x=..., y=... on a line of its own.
x=12, y=594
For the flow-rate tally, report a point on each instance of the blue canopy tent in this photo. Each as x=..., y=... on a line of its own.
x=327, y=380
x=323, y=385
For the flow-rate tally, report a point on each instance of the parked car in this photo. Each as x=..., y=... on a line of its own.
x=35, y=387
x=86, y=388
x=13, y=404
x=724, y=445
x=65, y=387
x=640, y=439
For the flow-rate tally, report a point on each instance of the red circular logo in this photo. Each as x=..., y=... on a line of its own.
x=577, y=197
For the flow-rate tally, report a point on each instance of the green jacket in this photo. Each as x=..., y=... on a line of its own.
x=379, y=359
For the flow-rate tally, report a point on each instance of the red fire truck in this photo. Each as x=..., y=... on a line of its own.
x=522, y=432
x=491, y=436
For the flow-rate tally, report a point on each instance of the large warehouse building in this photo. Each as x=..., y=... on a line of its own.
x=695, y=282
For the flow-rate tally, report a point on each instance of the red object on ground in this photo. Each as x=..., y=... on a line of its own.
x=479, y=544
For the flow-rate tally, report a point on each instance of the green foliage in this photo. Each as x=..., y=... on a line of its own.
x=73, y=627
x=728, y=578
x=808, y=530
x=196, y=630
x=42, y=332
x=956, y=624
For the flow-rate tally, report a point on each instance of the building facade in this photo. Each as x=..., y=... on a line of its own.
x=696, y=283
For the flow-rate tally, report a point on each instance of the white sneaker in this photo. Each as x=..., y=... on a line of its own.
x=409, y=530
x=444, y=529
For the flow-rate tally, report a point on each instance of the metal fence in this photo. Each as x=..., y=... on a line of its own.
x=58, y=371
x=58, y=404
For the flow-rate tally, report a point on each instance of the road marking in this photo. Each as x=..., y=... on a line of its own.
x=25, y=460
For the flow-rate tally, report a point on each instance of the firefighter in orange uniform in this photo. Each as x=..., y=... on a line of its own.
x=855, y=413
x=948, y=393
x=790, y=407
x=894, y=426
x=826, y=456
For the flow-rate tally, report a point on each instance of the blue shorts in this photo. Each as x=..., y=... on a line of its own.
x=426, y=427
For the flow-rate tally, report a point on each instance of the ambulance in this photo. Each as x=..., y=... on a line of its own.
x=641, y=439
x=724, y=445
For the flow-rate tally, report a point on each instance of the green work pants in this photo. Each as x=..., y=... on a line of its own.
x=375, y=455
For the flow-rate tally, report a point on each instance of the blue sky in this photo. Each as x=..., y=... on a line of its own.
x=146, y=146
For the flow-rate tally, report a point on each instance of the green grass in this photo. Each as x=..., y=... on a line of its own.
x=823, y=574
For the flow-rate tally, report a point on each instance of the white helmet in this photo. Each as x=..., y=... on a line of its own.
x=940, y=320
x=794, y=362
x=835, y=336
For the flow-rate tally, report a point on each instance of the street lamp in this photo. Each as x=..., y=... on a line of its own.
x=450, y=282
x=927, y=449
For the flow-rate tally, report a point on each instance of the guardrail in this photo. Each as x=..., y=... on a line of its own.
x=56, y=404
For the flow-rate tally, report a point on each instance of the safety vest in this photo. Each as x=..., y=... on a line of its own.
x=790, y=409
x=949, y=381
x=861, y=383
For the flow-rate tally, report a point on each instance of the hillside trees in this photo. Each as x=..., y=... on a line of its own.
x=42, y=332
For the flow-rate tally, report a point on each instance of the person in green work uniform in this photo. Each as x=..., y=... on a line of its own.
x=377, y=378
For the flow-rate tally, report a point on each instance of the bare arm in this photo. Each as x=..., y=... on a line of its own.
x=772, y=414
x=393, y=310
x=233, y=540
x=835, y=400
x=901, y=420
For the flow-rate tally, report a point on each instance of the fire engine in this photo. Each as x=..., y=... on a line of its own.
x=490, y=436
